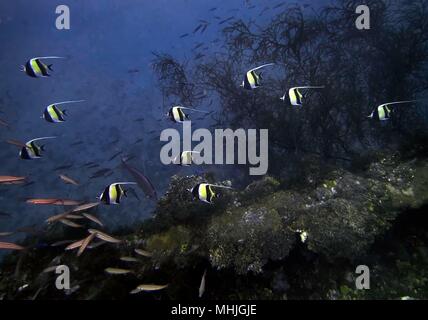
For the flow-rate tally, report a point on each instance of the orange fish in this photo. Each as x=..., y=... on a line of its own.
x=10, y=246
x=104, y=236
x=74, y=245
x=57, y=217
x=85, y=206
x=58, y=202
x=11, y=179
x=85, y=243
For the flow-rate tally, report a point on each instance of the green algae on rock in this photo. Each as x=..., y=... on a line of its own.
x=253, y=233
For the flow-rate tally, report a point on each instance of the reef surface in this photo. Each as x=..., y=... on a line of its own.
x=266, y=241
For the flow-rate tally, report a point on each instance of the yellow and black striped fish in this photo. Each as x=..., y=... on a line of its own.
x=295, y=96
x=114, y=192
x=177, y=114
x=185, y=158
x=31, y=150
x=36, y=68
x=205, y=191
x=252, y=79
x=384, y=112
x=54, y=114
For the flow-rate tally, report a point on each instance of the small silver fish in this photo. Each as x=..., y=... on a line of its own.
x=117, y=271
x=202, y=285
x=148, y=287
x=129, y=259
x=143, y=253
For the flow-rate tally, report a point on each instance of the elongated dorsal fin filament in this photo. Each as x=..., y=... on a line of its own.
x=41, y=138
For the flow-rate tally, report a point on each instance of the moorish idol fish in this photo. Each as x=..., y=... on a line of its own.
x=36, y=68
x=31, y=150
x=204, y=191
x=114, y=192
x=384, y=112
x=252, y=79
x=295, y=96
x=177, y=114
x=185, y=158
x=54, y=114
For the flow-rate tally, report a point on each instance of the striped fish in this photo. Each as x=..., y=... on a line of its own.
x=113, y=193
x=384, y=112
x=54, y=114
x=176, y=113
x=31, y=150
x=36, y=68
x=295, y=96
x=252, y=79
x=205, y=192
x=185, y=158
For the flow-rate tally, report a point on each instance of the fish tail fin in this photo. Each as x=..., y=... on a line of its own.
x=65, y=112
x=22, y=68
x=50, y=67
x=42, y=147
